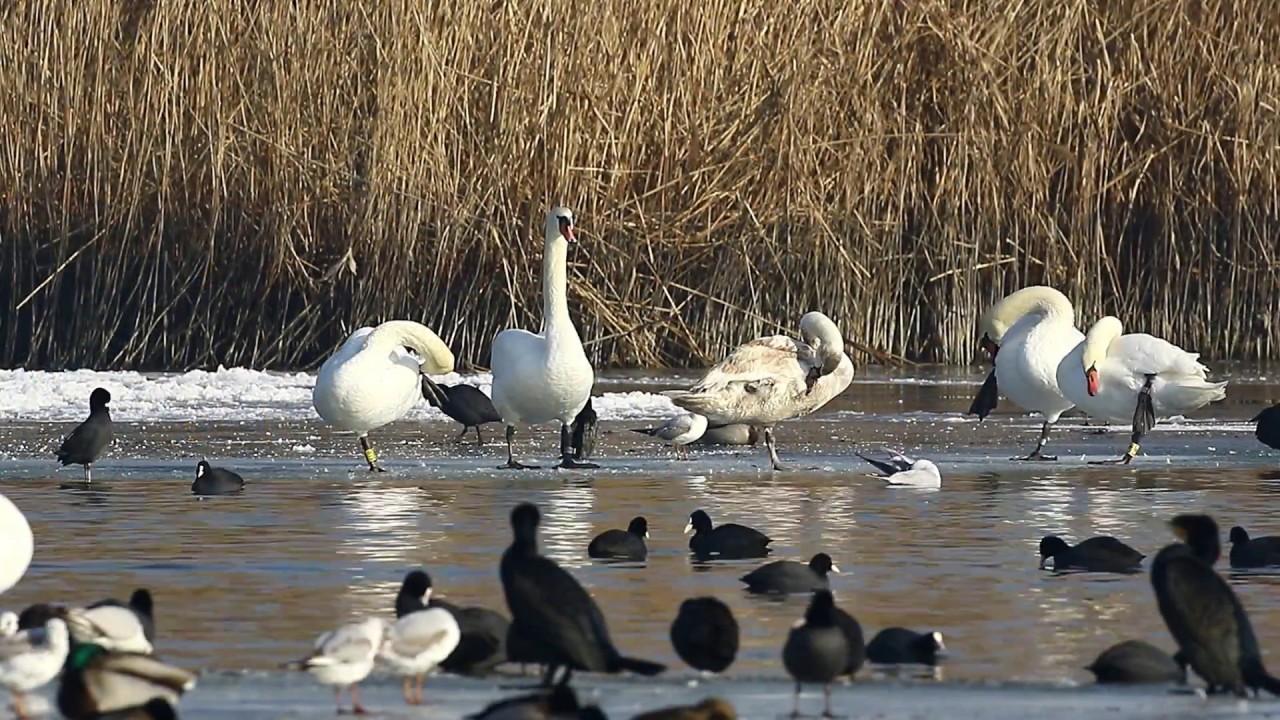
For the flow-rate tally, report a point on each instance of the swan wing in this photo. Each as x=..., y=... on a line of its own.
x=1146, y=354
x=763, y=361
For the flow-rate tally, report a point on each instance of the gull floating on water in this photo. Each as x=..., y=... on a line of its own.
x=902, y=470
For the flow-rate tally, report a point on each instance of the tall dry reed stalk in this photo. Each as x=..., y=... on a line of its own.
x=190, y=183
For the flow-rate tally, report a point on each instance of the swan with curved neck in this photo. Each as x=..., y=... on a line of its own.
x=546, y=376
x=1028, y=333
x=1117, y=377
x=771, y=379
x=371, y=380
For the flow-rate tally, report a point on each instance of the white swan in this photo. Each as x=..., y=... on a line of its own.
x=540, y=377
x=371, y=381
x=1029, y=332
x=418, y=642
x=18, y=544
x=772, y=379
x=1118, y=377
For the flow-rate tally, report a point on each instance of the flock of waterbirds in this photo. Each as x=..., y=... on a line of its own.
x=101, y=654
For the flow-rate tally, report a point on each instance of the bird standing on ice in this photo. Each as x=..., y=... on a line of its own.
x=541, y=377
x=678, y=431
x=371, y=381
x=772, y=379
x=1118, y=377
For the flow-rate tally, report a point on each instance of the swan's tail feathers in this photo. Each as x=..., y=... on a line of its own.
x=640, y=667
x=1255, y=675
x=1189, y=394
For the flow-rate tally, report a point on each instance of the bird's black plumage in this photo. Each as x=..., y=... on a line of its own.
x=788, y=576
x=482, y=645
x=553, y=610
x=1249, y=552
x=1267, y=429
x=705, y=634
x=466, y=404
x=215, y=481
x=1135, y=662
x=853, y=636
x=1097, y=554
x=900, y=646
x=816, y=651
x=729, y=541
x=621, y=544
x=583, y=432
x=1204, y=615
x=85, y=443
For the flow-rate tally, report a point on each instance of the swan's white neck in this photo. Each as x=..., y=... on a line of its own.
x=1099, y=338
x=555, y=304
x=1041, y=300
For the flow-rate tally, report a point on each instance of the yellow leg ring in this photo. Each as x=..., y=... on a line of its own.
x=1133, y=449
x=372, y=456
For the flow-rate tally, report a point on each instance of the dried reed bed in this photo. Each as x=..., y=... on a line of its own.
x=192, y=183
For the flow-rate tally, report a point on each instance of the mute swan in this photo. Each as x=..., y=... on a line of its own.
x=18, y=544
x=370, y=381
x=678, y=431
x=540, y=377
x=1028, y=334
x=1138, y=377
x=772, y=379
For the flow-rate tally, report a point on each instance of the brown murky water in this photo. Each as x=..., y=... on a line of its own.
x=244, y=583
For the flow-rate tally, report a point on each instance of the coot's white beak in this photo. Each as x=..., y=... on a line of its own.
x=835, y=568
x=687, y=527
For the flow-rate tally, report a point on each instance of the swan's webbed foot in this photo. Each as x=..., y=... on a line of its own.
x=568, y=463
x=1038, y=453
x=1123, y=460
x=1037, y=456
x=513, y=464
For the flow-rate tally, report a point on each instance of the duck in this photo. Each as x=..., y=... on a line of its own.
x=816, y=650
x=678, y=431
x=553, y=610
x=900, y=646
x=622, y=544
x=212, y=480
x=1267, y=427
x=416, y=643
x=1203, y=614
x=1028, y=333
x=705, y=634
x=1135, y=662
x=771, y=379
x=1255, y=552
x=344, y=657
x=1097, y=554
x=483, y=632
x=729, y=541
x=371, y=380
x=90, y=438
x=142, y=605
x=30, y=659
x=110, y=625
x=19, y=544
x=712, y=708
x=464, y=403
x=730, y=434
x=544, y=377
x=784, y=577
x=1134, y=377
x=97, y=682
x=903, y=471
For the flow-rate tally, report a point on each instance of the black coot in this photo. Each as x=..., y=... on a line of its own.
x=85, y=444
x=215, y=481
x=853, y=636
x=728, y=542
x=784, y=577
x=622, y=544
x=816, y=651
x=1136, y=662
x=1204, y=616
x=465, y=403
x=900, y=646
x=1268, y=427
x=1255, y=552
x=553, y=610
x=705, y=634
x=1097, y=554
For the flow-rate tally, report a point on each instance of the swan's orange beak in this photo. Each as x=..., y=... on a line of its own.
x=1091, y=378
x=989, y=345
x=566, y=229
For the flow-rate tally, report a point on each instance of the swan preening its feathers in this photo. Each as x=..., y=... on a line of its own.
x=546, y=376
x=771, y=379
x=373, y=379
x=1044, y=364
